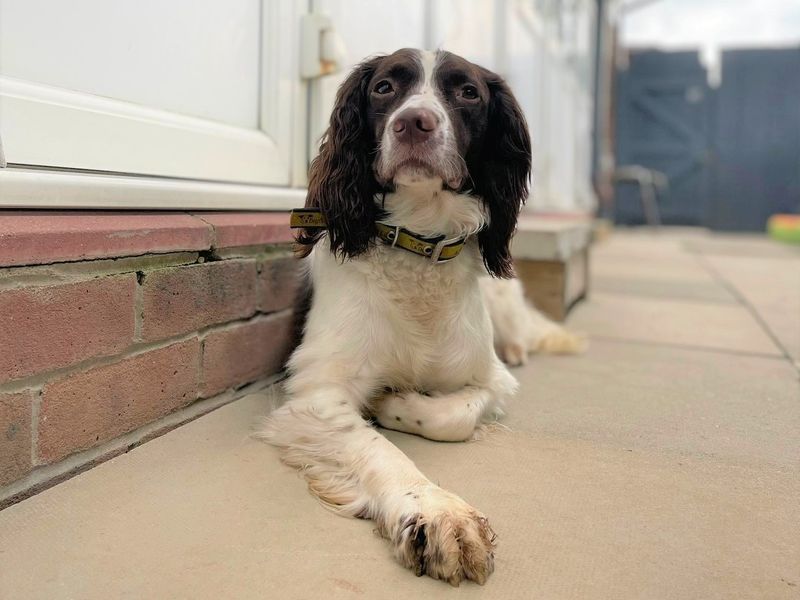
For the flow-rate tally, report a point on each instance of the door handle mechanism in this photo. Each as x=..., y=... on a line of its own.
x=322, y=50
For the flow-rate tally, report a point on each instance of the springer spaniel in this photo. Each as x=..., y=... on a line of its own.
x=411, y=204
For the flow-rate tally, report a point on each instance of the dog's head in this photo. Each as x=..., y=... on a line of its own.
x=414, y=117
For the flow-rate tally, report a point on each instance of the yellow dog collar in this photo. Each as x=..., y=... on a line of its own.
x=438, y=249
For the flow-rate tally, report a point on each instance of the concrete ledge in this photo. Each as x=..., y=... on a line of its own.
x=234, y=229
x=551, y=257
x=550, y=238
x=38, y=237
x=43, y=237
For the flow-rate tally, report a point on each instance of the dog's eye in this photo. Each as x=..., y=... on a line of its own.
x=469, y=92
x=384, y=87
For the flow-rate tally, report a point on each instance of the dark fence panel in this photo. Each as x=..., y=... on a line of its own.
x=732, y=154
x=756, y=141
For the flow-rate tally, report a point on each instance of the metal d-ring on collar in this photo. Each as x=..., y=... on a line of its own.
x=394, y=235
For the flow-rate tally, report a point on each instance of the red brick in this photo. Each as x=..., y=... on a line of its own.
x=233, y=229
x=93, y=406
x=278, y=283
x=185, y=299
x=15, y=435
x=36, y=237
x=44, y=328
x=237, y=355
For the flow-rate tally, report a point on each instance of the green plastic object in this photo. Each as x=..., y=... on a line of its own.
x=784, y=228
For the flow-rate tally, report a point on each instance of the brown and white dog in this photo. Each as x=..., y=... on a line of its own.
x=432, y=143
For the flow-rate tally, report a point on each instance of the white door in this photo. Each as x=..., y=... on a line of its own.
x=193, y=89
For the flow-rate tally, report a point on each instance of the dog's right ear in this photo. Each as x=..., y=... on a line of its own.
x=341, y=181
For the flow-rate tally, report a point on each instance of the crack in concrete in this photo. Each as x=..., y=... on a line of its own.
x=749, y=307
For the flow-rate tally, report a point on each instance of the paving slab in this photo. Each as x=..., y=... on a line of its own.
x=772, y=288
x=647, y=243
x=737, y=409
x=740, y=245
x=673, y=268
x=660, y=287
x=672, y=321
x=206, y=512
x=673, y=276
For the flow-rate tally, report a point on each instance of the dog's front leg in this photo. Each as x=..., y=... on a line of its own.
x=454, y=417
x=451, y=417
x=357, y=472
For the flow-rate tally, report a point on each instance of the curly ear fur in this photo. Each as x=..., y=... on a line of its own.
x=500, y=174
x=341, y=181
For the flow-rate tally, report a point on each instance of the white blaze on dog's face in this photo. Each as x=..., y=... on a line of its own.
x=413, y=96
x=418, y=136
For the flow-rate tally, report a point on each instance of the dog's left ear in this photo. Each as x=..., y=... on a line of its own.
x=501, y=173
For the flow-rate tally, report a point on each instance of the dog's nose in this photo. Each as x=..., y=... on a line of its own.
x=414, y=125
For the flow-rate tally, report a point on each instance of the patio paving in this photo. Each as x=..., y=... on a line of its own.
x=663, y=463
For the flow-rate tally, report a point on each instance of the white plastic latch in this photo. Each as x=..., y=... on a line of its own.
x=322, y=50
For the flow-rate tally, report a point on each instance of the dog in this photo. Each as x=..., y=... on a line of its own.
x=412, y=203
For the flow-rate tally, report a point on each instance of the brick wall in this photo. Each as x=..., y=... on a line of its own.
x=109, y=322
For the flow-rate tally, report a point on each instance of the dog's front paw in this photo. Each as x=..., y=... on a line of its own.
x=451, y=541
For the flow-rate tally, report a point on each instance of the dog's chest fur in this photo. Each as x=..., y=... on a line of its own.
x=405, y=321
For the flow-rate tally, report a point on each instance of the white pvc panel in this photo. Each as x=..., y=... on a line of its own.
x=466, y=28
x=192, y=57
x=190, y=89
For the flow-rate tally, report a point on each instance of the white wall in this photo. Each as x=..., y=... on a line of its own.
x=549, y=67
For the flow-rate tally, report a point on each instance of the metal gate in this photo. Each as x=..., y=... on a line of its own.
x=663, y=124
x=732, y=154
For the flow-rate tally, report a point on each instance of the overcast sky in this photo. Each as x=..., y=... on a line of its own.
x=713, y=24
x=725, y=23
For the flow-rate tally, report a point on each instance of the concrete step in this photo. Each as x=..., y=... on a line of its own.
x=551, y=257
